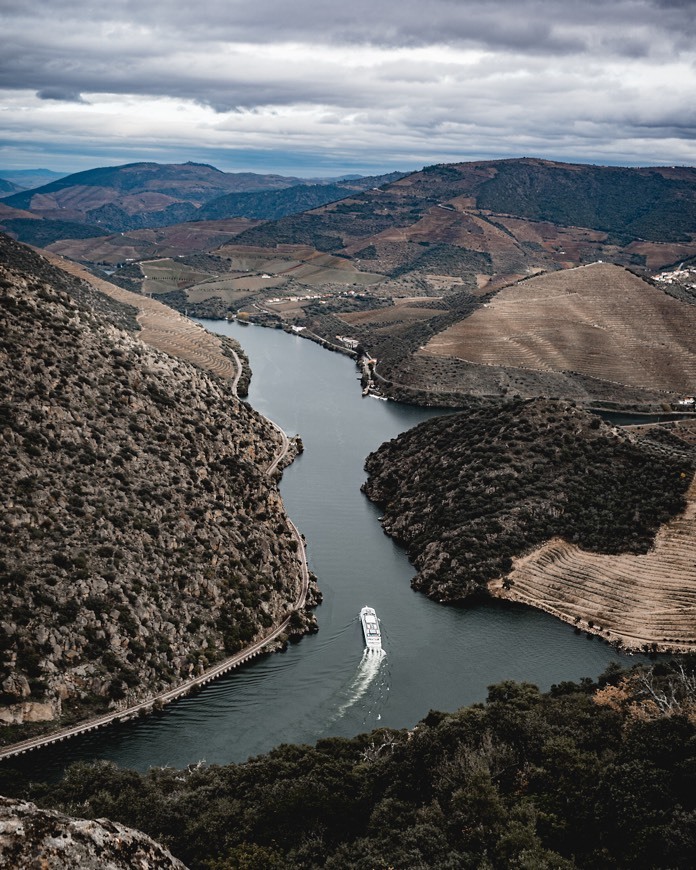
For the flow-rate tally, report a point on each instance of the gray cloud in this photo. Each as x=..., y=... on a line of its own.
x=401, y=79
x=60, y=94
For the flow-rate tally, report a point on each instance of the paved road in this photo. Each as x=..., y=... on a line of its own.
x=212, y=673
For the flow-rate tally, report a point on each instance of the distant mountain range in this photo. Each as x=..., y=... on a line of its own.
x=24, y=179
x=146, y=195
x=433, y=247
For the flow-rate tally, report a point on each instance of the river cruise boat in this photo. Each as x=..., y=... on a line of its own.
x=370, y=627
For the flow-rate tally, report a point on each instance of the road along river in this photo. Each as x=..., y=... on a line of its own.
x=436, y=657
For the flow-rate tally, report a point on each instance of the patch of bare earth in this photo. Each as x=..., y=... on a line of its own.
x=599, y=321
x=641, y=601
x=161, y=326
x=401, y=313
x=186, y=238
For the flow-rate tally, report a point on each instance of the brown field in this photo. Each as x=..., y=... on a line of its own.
x=187, y=238
x=660, y=254
x=637, y=600
x=231, y=289
x=268, y=263
x=452, y=227
x=163, y=276
x=8, y=213
x=300, y=262
x=404, y=311
x=569, y=245
x=599, y=321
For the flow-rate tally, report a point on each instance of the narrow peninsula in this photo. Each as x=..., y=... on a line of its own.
x=542, y=502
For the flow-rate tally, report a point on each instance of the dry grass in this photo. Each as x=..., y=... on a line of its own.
x=599, y=320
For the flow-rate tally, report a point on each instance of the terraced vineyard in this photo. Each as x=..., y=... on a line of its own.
x=599, y=321
x=161, y=326
x=639, y=600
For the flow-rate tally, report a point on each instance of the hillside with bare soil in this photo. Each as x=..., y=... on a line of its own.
x=161, y=327
x=640, y=601
x=469, y=493
x=598, y=321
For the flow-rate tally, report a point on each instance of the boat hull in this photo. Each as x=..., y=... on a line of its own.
x=370, y=627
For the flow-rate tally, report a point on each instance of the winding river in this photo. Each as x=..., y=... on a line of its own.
x=436, y=657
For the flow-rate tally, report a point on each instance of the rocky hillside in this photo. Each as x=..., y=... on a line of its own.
x=30, y=837
x=468, y=492
x=141, y=539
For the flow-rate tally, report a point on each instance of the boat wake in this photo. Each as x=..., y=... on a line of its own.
x=365, y=678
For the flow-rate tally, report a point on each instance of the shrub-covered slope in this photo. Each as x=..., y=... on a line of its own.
x=589, y=776
x=466, y=493
x=140, y=537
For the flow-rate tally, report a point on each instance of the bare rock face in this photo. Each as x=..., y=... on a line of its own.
x=30, y=837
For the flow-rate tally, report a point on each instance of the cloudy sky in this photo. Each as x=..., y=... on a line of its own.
x=321, y=87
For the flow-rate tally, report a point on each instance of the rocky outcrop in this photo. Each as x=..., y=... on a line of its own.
x=32, y=838
x=141, y=539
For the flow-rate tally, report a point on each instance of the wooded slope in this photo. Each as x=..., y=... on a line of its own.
x=141, y=539
x=467, y=493
x=587, y=776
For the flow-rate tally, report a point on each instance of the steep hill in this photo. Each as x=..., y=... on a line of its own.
x=474, y=228
x=25, y=179
x=598, y=322
x=588, y=213
x=272, y=204
x=141, y=538
x=468, y=493
x=8, y=187
x=38, y=231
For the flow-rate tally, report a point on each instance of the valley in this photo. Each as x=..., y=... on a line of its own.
x=453, y=278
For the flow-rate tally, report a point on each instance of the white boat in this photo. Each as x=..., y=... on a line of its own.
x=370, y=627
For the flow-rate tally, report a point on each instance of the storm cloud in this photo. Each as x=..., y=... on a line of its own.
x=332, y=85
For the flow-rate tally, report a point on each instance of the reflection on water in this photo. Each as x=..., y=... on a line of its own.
x=437, y=657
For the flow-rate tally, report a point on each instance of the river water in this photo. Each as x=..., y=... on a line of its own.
x=436, y=657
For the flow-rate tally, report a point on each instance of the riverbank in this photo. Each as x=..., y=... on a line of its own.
x=541, y=503
x=281, y=633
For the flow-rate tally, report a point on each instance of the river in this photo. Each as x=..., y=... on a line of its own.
x=436, y=657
